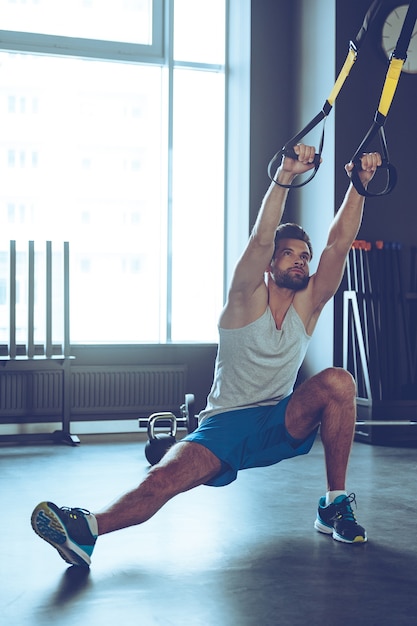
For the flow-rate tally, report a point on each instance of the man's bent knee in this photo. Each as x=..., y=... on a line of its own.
x=333, y=385
x=338, y=382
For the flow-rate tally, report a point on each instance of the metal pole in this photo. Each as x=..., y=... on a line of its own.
x=31, y=300
x=48, y=346
x=67, y=346
x=12, y=303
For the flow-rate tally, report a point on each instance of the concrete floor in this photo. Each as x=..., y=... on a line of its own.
x=242, y=555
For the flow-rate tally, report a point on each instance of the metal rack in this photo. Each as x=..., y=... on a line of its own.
x=380, y=341
x=31, y=357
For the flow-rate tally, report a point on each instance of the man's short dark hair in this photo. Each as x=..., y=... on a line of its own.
x=292, y=231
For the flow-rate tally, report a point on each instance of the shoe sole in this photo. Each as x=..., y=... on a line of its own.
x=329, y=530
x=48, y=526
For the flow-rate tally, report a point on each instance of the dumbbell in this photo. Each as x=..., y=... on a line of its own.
x=188, y=412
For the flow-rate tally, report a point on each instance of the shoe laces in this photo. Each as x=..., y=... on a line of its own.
x=344, y=509
x=74, y=513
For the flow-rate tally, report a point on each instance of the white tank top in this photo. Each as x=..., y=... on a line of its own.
x=257, y=364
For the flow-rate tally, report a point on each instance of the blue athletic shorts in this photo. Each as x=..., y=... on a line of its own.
x=251, y=437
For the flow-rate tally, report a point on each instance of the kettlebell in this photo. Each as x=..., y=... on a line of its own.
x=158, y=445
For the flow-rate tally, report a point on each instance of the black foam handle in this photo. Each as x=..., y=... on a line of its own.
x=391, y=179
x=290, y=152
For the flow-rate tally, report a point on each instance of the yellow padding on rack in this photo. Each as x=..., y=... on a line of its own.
x=390, y=85
x=343, y=74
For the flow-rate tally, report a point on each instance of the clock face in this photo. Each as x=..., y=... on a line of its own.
x=390, y=33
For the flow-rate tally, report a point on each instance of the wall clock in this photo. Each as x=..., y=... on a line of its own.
x=391, y=29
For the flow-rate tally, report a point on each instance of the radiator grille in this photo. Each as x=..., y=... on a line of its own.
x=34, y=393
x=13, y=393
x=47, y=392
x=99, y=390
x=127, y=389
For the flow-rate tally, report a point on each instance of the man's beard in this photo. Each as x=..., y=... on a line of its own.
x=289, y=280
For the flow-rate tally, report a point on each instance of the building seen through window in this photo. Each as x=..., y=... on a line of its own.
x=125, y=160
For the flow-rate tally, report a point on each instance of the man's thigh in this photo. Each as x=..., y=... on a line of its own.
x=305, y=407
x=247, y=438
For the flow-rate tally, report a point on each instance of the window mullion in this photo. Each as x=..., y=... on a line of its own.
x=78, y=47
x=169, y=47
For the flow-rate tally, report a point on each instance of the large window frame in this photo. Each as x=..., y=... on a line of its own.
x=160, y=52
x=94, y=48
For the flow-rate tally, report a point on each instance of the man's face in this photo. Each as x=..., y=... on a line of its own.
x=289, y=268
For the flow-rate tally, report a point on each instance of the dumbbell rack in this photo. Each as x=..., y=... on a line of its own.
x=380, y=335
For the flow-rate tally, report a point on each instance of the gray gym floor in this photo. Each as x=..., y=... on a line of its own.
x=242, y=555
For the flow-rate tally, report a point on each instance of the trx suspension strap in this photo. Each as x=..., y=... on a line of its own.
x=398, y=58
x=287, y=149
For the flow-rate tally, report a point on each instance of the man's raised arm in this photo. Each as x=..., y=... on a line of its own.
x=258, y=253
x=343, y=231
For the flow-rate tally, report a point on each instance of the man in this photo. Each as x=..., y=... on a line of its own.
x=253, y=418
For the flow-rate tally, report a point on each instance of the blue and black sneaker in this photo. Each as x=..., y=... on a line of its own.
x=338, y=519
x=73, y=532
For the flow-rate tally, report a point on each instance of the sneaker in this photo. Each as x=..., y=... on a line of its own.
x=338, y=519
x=73, y=532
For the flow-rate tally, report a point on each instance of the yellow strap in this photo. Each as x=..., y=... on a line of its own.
x=343, y=74
x=390, y=85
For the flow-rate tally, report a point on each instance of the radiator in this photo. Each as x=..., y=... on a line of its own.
x=95, y=391
x=30, y=393
x=115, y=390
x=13, y=393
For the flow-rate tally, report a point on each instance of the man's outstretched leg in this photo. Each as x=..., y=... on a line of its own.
x=329, y=399
x=74, y=531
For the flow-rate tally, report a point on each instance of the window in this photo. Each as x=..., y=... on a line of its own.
x=118, y=147
x=110, y=20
